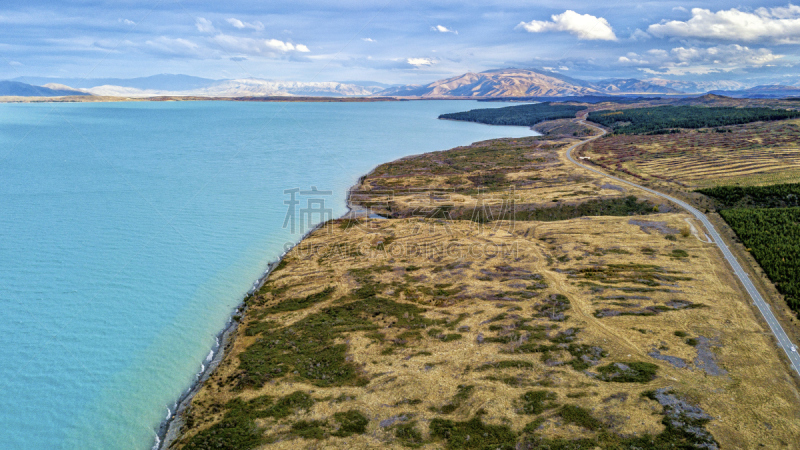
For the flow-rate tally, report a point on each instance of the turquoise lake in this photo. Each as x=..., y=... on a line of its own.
x=129, y=232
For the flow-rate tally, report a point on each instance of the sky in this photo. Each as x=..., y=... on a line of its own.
x=399, y=41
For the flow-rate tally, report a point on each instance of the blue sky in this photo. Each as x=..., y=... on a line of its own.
x=399, y=41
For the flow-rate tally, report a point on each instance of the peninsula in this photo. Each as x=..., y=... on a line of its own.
x=511, y=298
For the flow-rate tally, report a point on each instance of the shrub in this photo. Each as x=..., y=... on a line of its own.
x=408, y=435
x=350, y=422
x=628, y=372
x=473, y=434
x=580, y=416
x=536, y=402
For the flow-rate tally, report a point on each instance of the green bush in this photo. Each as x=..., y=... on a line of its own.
x=580, y=416
x=309, y=429
x=536, y=402
x=350, y=422
x=408, y=435
x=308, y=348
x=295, y=304
x=473, y=434
x=237, y=430
x=628, y=372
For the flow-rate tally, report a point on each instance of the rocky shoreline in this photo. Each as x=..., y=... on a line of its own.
x=169, y=429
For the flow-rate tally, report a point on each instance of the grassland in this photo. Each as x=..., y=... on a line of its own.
x=429, y=331
x=752, y=165
x=524, y=178
x=751, y=154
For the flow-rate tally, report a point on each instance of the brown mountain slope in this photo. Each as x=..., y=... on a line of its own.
x=498, y=83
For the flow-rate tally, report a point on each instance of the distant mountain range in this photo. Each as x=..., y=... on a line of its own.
x=540, y=83
x=490, y=84
x=185, y=85
x=247, y=88
x=768, y=91
x=497, y=83
x=163, y=82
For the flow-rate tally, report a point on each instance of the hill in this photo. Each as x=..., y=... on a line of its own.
x=632, y=86
x=694, y=87
x=768, y=91
x=17, y=89
x=527, y=83
x=498, y=83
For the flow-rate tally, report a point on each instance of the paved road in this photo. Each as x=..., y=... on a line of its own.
x=774, y=326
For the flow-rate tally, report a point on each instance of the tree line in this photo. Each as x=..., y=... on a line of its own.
x=775, y=196
x=521, y=115
x=773, y=237
x=666, y=119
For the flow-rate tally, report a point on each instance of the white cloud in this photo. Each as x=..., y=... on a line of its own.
x=236, y=23
x=555, y=69
x=698, y=60
x=443, y=29
x=176, y=47
x=584, y=26
x=204, y=25
x=126, y=21
x=15, y=63
x=258, y=26
x=781, y=25
x=640, y=35
x=421, y=62
x=368, y=40
x=257, y=47
x=680, y=8
x=632, y=58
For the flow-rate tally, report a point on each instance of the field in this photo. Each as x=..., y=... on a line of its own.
x=424, y=331
x=751, y=154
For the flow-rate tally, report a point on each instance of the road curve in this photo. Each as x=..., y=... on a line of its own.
x=774, y=326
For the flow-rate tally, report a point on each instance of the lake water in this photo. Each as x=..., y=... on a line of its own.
x=130, y=231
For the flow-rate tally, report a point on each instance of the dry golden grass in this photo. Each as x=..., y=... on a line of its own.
x=751, y=154
x=631, y=292
x=737, y=400
x=533, y=174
